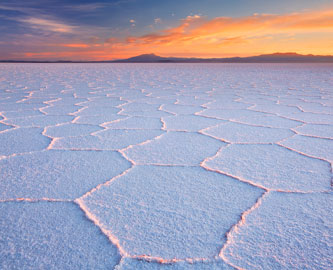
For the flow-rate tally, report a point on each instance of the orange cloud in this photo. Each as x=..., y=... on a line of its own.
x=196, y=29
x=196, y=36
x=76, y=45
x=72, y=55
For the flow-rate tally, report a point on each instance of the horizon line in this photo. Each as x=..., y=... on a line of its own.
x=290, y=54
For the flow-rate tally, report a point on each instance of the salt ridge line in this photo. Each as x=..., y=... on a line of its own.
x=241, y=222
x=245, y=180
x=122, y=151
x=241, y=121
x=280, y=143
x=307, y=134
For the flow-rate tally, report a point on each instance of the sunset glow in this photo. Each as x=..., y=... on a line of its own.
x=86, y=31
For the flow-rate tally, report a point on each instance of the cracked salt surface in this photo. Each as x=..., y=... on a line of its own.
x=98, y=119
x=22, y=140
x=189, y=149
x=110, y=139
x=317, y=147
x=4, y=127
x=130, y=264
x=321, y=131
x=272, y=167
x=191, y=123
x=60, y=109
x=181, y=109
x=287, y=231
x=149, y=166
x=70, y=130
x=251, y=118
x=39, y=121
x=57, y=174
x=172, y=202
x=136, y=123
x=47, y=235
x=234, y=132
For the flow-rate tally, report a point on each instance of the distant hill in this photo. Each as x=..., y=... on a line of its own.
x=288, y=58
x=265, y=58
x=153, y=58
x=145, y=58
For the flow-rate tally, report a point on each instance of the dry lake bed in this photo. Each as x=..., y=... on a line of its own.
x=166, y=166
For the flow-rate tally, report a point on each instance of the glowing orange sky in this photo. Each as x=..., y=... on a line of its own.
x=307, y=32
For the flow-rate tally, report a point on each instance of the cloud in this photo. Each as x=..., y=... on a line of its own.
x=47, y=25
x=76, y=45
x=157, y=20
x=94, y=6
x=86, y=7
x=198, y=29
x=132, y=22
x=15, y=8
x=179, y=33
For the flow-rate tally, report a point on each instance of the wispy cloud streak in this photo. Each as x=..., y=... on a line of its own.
x=48, y=25
x=218, y=30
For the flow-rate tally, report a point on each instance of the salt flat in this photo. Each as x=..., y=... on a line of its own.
x=166, y=166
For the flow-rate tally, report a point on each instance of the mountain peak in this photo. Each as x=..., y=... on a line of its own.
x=148, y=57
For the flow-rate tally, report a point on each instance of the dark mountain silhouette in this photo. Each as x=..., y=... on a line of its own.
x=145, y=58
x=265, y=58
x=153, y=58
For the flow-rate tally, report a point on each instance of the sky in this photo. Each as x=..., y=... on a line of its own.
x=116, y=29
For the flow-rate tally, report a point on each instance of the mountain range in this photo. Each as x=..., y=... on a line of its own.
x=153, y=58
x=265, y=58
